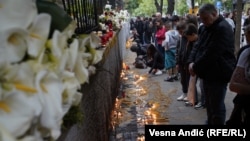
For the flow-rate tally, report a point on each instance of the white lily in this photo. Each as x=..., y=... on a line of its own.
x=19, y=115
x=38, y=34
x=73, y=50
x=97, y=56
x=5, y=134
x=17, y=13
x=70, y=29
x=91, y=42
x=13, y=44
x=71, y=85
x=52, y=107
x=59, y=42
x=81, y=71
x=95, y=41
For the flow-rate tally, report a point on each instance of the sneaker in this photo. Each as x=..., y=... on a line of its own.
x=176, y=77
x=169, y=79
x=188, y=103
x=180, y=98
x=199, y=105
x=159, y=72
x=185, y=99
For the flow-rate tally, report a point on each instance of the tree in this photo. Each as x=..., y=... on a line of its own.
x=171, y=4
x=158, y=6
x=238, y=25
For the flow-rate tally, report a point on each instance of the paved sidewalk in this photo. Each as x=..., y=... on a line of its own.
x=169, y=111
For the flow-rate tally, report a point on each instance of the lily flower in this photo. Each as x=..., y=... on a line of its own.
x=59, y=42
x=18, y=119
x=73, y=50
x=81, y=71
x=17, y=14
x=13, y=44
x=38, y=34
x=52, y=112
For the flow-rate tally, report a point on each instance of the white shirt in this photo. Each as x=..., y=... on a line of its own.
x=242, y=62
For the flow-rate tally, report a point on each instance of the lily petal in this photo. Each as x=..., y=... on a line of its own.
x=81, y=71
x=59, y=42
x=19, y=119
x=15, y=13
x=52, y=107
x=13, y=44
x=38, y=35
x=73, y=50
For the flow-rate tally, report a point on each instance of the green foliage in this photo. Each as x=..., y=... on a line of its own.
x=147, y=7
x=181, y=7
x=74, y=116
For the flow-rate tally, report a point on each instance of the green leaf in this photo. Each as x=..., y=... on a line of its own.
x=60, y=18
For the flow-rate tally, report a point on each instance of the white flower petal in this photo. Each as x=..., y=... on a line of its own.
x=5, y=134
x=73, y=50
x=21, y=114
x=13, y=44
x=52, y=108
x=39, y=32
x=17, y=13
x=59, y=42
x=95, y=41
x=81, y=71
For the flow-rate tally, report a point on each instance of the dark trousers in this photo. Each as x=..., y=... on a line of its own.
x=185, y=76
x=215, y=93
x=159, y=66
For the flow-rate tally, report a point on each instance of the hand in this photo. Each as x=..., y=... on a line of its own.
x=190, y=68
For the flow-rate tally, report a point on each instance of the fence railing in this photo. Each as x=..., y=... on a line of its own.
x=85, y=13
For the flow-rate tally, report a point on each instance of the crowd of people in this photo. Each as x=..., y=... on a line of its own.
x=202, y=47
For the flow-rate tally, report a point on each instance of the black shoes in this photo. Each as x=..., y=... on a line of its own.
x=169, y=79
x=172, y=78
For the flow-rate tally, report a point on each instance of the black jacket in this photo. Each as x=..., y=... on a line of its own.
x=213, y=55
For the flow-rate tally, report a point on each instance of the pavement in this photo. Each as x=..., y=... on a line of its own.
x=150, y=100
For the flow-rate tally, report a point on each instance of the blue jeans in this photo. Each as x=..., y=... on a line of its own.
x=215, y=93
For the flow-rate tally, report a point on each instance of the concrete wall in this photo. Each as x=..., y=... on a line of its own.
x=99, y=95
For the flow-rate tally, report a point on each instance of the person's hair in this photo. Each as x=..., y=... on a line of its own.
x=159, y=21
x=191, y=29
x=168, y=25
x=181, y=25
x=175, y=18
x=151, y=50
x=190, y=18
x=207, y=9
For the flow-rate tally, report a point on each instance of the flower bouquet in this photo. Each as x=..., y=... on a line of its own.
x=40, y=76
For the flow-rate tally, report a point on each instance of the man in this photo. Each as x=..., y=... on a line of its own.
x=213, y=61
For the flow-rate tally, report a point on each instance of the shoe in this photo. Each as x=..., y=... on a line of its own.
x=169, y=79
x=185, y=99
x=176, y=77
x=188, y=103
x=180, y=98
x=199, y=105
x=159, y=72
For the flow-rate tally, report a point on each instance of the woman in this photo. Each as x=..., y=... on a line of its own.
x=155, y=60
x=160, y=36
x=240, y=84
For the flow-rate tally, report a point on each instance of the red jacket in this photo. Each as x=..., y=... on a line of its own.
x=160, y=35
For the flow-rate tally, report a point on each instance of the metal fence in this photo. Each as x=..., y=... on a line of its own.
x=85, y=13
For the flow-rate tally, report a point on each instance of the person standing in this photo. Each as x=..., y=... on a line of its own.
x=160, y=36
x=240, y=84
x=213, y=60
